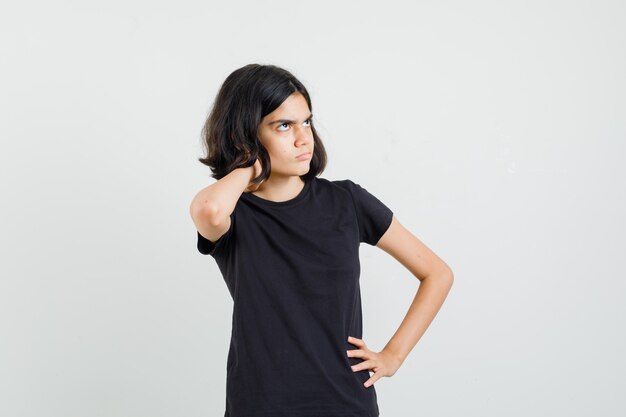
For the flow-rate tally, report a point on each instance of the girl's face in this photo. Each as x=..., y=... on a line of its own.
x=286, y=134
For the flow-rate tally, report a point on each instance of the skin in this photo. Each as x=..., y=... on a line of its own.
x=284, y=141
x=435, y=278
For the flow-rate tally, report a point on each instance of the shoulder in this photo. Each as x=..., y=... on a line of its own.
x=337, y=187
x=341, y=184
x=347, y=186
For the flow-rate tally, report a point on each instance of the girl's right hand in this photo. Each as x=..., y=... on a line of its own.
x=255, y=171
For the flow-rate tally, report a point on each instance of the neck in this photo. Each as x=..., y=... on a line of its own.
x=280, y=188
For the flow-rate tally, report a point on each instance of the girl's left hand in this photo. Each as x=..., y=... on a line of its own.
x=381, y=363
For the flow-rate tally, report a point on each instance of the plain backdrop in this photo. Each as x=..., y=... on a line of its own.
x=494, y=130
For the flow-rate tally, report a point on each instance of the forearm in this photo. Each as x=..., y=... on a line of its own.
x=220, y=198
x=430, y=295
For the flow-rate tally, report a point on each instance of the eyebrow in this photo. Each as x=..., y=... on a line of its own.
x=281, y=121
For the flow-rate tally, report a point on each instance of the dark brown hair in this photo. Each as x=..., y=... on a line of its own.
x=230, y=134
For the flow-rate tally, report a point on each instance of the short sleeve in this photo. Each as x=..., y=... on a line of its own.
x=373, y=216
x=206, y=247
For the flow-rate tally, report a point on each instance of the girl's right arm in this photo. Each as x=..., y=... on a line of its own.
x=212, y=206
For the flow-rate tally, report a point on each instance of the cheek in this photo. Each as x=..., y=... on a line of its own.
x=278, y=150
x=281, y=151
x=278, y=153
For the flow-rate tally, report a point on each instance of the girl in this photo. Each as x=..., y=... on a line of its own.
x=287, y=244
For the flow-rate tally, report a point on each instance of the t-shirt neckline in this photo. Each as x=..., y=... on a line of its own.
x=297, y=198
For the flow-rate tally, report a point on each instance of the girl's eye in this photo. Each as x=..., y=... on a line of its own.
x=308, y=121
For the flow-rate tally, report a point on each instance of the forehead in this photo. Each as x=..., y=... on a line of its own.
x=293, y=108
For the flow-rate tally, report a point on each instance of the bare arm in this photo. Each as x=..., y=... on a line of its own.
x=212, y=206
x=435, y=277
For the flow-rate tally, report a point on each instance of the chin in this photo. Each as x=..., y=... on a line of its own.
x=304, y=170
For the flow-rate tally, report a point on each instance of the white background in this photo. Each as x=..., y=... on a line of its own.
x=494, y=130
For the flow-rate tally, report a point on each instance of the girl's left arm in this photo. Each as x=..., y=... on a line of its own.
x=436, y=279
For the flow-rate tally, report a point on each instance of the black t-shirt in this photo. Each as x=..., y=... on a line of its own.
x=292, y=269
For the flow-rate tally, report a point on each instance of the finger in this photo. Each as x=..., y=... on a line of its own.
x=356, y=353
x=356, y=341
x=371, y=381
x=362, y=365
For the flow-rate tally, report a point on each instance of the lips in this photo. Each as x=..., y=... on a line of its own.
x=302, y=154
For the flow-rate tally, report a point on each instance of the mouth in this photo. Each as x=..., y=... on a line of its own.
x=305, y=155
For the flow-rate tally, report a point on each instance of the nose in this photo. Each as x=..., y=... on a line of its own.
x=303, y=135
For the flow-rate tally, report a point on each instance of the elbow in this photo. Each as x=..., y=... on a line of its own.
x=448, y=275
x=445, y=275
x=208, y=211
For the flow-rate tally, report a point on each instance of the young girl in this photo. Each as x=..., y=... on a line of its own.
x=287, y=244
